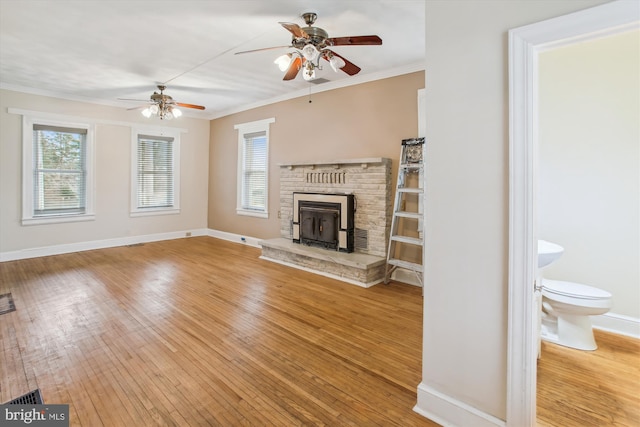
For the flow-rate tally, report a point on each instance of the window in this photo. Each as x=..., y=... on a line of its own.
x=155, y=173
x=57, y=171
x=253, y=168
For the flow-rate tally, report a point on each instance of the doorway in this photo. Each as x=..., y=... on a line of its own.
x=525, y=44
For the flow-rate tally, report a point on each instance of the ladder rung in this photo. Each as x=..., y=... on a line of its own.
x=405, y=214
x=410, y=190
x=406, y=239
x=406, y=264
x=411, y=165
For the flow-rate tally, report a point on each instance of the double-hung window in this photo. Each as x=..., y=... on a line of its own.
x=155, y=167
x=57, y=171
x=253, y=168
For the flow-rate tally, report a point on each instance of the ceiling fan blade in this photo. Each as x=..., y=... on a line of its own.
x=294, y=68
x=264, y=48
x=349, y=67
x=136, y=108
x=197, y=107
x=131, y=99
x=294, y=29
x=354, y=40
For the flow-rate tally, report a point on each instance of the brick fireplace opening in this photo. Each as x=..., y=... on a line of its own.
x=359, y=254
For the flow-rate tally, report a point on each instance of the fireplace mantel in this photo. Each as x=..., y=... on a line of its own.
x=364, y=162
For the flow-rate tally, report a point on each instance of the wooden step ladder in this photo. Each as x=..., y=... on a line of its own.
x=408, y=217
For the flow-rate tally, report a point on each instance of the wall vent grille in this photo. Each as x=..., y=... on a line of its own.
x=361, y=239
x=326, y=177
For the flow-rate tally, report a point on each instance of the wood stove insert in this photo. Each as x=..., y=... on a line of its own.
x=324, y=220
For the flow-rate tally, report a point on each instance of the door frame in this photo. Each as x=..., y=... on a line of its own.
x=525, y=44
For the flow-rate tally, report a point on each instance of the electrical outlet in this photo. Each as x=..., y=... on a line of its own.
x=278, y=214
x=188, y=234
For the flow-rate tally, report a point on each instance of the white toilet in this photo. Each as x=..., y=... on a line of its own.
x=566, y=307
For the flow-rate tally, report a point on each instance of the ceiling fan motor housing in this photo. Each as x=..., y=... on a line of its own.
x=317, y=37
x=161, y=98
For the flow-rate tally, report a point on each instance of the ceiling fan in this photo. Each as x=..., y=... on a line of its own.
x=162, y=105
x=312, y=44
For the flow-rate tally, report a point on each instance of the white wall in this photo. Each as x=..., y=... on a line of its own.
x=113, y=224
x=466, y=256
x=589, y=162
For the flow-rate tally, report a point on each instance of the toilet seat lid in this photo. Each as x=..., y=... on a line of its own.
x=575, y=290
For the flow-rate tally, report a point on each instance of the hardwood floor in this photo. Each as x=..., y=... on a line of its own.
x=590, y=388
x=200, y=331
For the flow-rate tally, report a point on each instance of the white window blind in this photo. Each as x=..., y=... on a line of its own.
x=254, y=171
x=155, y=172
x=253, y=168
x=59, y=170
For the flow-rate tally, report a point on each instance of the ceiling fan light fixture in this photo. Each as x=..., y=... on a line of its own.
x=336, y=63
x=163, y=111
x=164, y=107
x=309, y=72
x=283, y=61
x=312, y=44
x=310, y=52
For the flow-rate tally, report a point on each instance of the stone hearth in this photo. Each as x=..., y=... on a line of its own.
x=369, y=180
x=356, y=268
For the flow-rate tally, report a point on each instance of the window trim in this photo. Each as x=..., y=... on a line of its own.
x=164, y=133
x=28, y=217
x=243, y=129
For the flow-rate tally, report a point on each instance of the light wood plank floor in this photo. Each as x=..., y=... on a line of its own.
x=590, y=388
x=200, y=331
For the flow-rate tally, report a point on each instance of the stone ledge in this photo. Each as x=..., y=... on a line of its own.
x=363, y=161
x=356, y=268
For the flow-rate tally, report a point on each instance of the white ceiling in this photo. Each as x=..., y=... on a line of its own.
x=102, y=50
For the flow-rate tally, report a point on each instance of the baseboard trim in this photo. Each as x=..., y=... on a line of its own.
x=450, y=412
x=617, y=324
x=235, y=238
x=97, y=244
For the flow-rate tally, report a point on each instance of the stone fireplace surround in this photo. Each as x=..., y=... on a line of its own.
x=369, y=180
